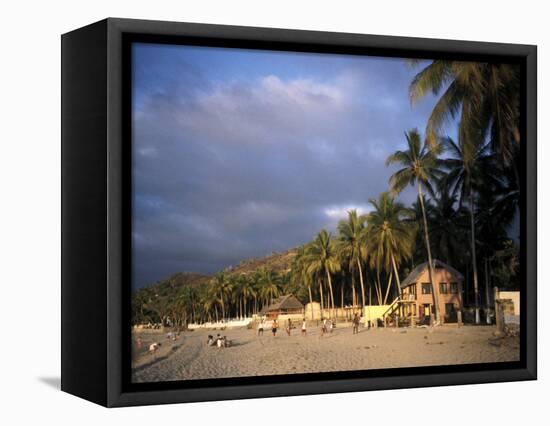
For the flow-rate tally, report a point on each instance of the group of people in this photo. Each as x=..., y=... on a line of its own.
x=327, y=326
x=219, y=341
x=275, y=327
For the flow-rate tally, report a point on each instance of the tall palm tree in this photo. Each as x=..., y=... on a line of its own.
x=448, y=223
x=247, y=292
x=468, y=167
x=420, y=168
x=181, y=306
x=299, y=274
x=210, y=301
x=390, y=237
x=323, y=259
x=485, y=97
x=223, y=289
x=270, y=285
x=352, y=244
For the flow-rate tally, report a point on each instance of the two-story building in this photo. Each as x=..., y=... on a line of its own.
x=416, y=291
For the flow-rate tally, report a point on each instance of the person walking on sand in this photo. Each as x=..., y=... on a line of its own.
x=355, y=323
x=274, y=327
x=288, y=326
x=324, y=327
x=261, y=328
x=304, y=330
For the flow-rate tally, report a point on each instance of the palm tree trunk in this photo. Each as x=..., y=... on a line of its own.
x=388, y=288
x=398, y=281
x=331, y=294
x=353, y=297
x=310, y=300
x=474, y=259
x=435, y=296
x=361, y=281
x=378, y=286
x=321, y=293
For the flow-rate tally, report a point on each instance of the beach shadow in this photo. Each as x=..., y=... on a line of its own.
x=151, y=362
x=157, y=358
x=234, y=344
x=54, y=382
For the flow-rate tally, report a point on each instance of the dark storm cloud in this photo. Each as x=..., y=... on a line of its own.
x=226, y=169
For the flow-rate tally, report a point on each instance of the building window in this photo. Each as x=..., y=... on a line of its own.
x=426, y=288
x=443, y=288
x=454, y=288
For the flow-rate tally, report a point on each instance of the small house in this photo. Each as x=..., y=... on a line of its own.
x=416, y=291
x=284, y=305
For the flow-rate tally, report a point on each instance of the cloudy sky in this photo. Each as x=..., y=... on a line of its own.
x=238, y=153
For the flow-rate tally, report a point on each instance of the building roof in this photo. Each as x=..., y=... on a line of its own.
x=419, y=270
x=283, y=303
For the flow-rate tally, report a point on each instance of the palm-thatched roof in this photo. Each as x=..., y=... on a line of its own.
x=419, y=270
x=283, y=303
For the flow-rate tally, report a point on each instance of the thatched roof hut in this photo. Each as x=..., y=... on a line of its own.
x=287, y=304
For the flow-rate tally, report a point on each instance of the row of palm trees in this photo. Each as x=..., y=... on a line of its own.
x=467, y=196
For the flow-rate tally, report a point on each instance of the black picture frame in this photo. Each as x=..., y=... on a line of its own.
x=96, y=183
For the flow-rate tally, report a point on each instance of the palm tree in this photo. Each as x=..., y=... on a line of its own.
x=181, y=306
x=299, y=275
x=468, y=168
x=223, y=288
x=448, y=221
x=485, y=96
x=390, y=236
x=210, y=302
x=420, y=168
x=352, y=244
x=270, y=283
x=323, y=258
x=247, y=291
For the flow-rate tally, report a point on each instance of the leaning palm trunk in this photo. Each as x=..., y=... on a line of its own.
x=331, y=294
x=378, y=286
x=321, y=295
x=353, y=296
x=310, y=300
x=361, y=281
x=435, y=296
x=474, y=260
x=388, y=288
x=397, y=280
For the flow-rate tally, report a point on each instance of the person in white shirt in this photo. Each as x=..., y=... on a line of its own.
x=154, y=347
x=261, y=328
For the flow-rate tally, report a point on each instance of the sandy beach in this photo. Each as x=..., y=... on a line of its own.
x=189, y=357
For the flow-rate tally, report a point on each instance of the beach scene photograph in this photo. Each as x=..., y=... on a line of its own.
x=298, y=213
